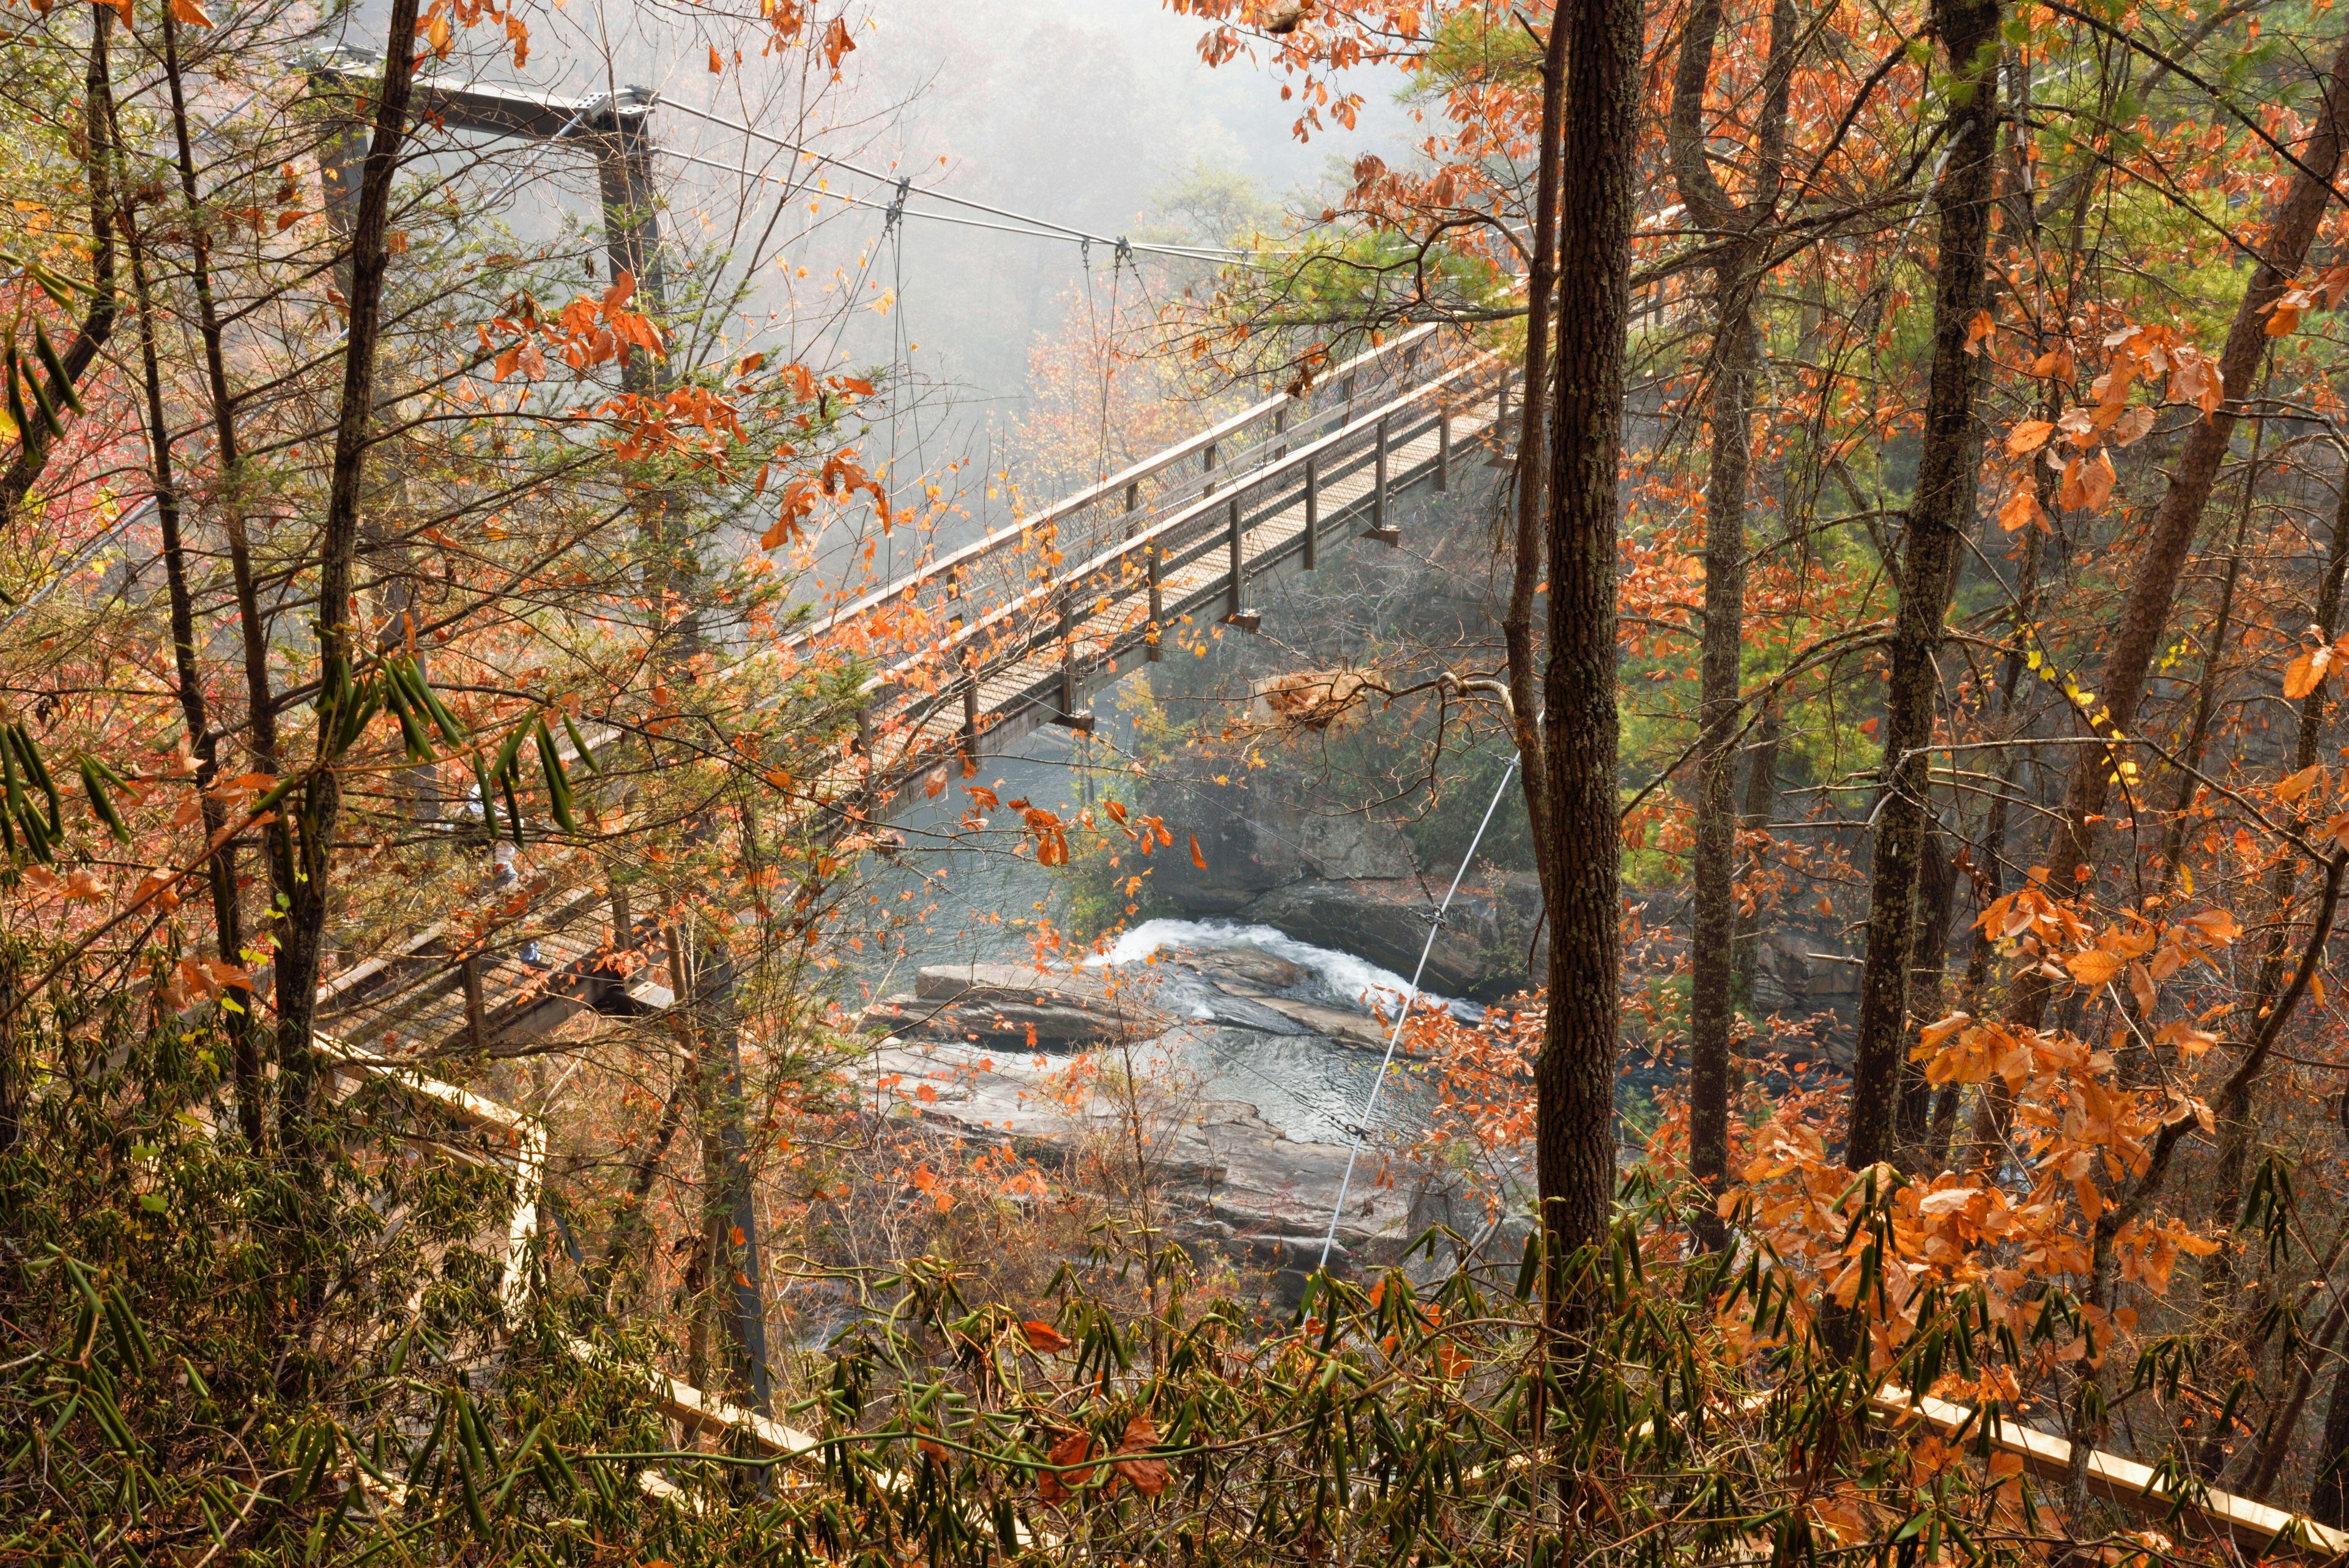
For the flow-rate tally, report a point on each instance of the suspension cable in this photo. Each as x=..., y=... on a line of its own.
x=1043, y=228
x=1402, y=1015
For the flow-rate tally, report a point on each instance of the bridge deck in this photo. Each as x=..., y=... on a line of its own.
x=1029, y=667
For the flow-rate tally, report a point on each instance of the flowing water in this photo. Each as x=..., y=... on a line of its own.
x=1308, y=1084
x=961, y=896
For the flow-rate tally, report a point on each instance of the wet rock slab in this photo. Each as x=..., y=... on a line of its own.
x=1018, y=1006
x=1257, y=980
x=1238, y=1181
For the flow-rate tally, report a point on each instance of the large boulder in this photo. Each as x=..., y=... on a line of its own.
x=1255, y=835
x=1480, y=953
x=1230, y=1181
x=1801, y=974
x=1018, y=1006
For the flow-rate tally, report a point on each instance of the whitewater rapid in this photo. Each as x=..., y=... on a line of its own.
x=1349, y=979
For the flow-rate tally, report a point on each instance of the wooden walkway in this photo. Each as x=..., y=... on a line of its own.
x=980, y=645
x=983, y=644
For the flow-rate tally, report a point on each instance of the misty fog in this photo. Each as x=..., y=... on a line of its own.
x=1087, y=114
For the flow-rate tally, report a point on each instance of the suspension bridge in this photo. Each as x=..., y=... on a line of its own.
x=1015, y=629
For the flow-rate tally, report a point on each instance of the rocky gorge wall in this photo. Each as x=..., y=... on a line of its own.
x=1350, y=881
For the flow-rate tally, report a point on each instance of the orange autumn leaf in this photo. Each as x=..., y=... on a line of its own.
x=1042, y=1337
x=2096, y=480
x=2196, y=381
x=1196, y=858
x=2218, y=925
x=2021, y=509
x=2305, y=673
x=2190, y=1042
x=837, y=44
x=2094, y=967
x=2029, y=436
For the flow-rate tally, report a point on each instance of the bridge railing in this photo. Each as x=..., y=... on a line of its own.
x=1138, y=585
x=1116, y=507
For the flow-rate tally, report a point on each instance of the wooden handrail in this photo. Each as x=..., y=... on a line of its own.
x=2257, y=1528
x=1141, y=543
x=528, y=1133
x=1167, y=457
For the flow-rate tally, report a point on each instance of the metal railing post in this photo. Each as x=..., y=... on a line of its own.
x=1207, y=471
x=1496, y=436
x=1071, y=715
x=1379, y=529
x=1151, y=651
x=1443, y=446
x=971, y=708
x=1312, y=508
x=1238, y=615
x=476, y=1015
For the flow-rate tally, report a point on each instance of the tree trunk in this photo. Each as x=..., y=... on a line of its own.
x=1529, y=558
x=628, y=1225
x=1761, y=801
x=261, y=702
x=728, y=1220
x=1580, y=854
x=203, y=744
x=1939, y=517
x=1936, y=898
x=1736, y=360
x=316, y=808
x=35, y=445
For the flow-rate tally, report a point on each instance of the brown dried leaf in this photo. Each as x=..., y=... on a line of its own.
x=1148, y=1476
x=1059, y=1486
